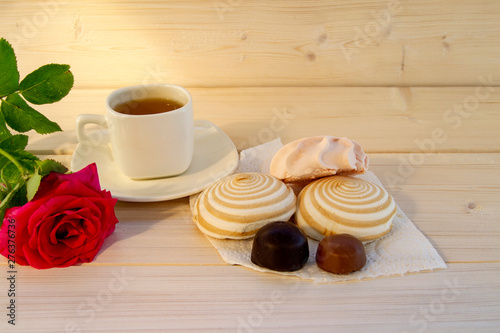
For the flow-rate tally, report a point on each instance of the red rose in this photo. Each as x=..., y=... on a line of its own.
x=64, y=224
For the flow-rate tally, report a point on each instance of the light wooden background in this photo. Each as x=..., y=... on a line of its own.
x=406, y=66
x=228, y=43
x=416, y=83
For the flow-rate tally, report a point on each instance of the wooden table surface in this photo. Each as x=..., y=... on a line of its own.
x=157, y=271
x=416, y=83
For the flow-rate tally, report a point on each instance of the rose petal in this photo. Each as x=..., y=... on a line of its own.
x=46, y=209
x=45, y=224
x=66, y=223
x=83, y=183
x=46, y=247
x=69, y=232
x=34, y=258
x=18, y=216
x=86, y=224
x=106, y=206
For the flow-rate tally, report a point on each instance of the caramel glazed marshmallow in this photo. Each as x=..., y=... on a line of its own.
x=238, y=205
x=318, y=156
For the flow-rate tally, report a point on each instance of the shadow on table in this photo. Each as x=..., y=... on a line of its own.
x=136, y=218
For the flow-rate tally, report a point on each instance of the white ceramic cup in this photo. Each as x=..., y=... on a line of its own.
x=146, y=146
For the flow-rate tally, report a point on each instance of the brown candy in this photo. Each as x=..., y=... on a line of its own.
x=280, y=246
x=341, y=254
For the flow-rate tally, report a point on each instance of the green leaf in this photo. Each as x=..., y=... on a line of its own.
x=3, y=191
x=14, y=142
x=8, y=158
x=27, y=160
x=22, y=117
x=10, y=175
x=46, y=166
x=19, y=198
x=47, y=84
x=8, y=201
x=13, y=149
x=3, y=162
x=9, y=76
x=25, y=155
x=4, y=131
x=32, y=185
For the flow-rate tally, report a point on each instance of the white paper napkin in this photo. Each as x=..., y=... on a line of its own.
x=403, y=250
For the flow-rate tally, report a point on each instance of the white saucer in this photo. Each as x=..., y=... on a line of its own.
x=215, y=157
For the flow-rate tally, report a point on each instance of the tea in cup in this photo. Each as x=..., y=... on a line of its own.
x=150, y=129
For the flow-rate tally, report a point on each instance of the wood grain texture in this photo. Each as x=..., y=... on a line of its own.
x=225, y=43
x=458, y=214
x=462, y=298
x=158, y=273
x=416, y=83
x=419, y=120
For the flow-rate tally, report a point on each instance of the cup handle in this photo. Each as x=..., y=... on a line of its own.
x=82, y=135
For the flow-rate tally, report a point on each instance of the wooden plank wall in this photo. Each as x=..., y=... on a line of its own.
x=381, y=119
x=340, y=60
x=220, y=43
x=416, y=82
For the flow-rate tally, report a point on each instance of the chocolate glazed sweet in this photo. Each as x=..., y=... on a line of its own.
x=280, y=246
x=341, y=254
